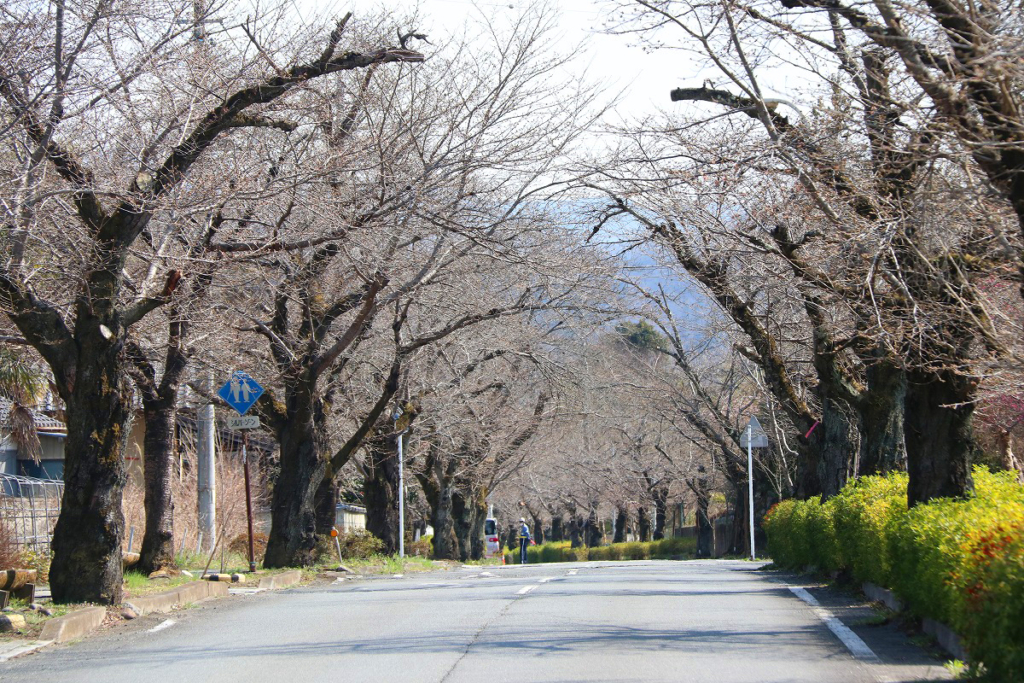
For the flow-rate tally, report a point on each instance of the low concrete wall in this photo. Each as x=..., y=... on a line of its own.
x=193, y=591
x=282, y=580
x=75, y=625
x=883, y=595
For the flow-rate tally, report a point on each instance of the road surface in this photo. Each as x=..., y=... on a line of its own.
x=719, y=621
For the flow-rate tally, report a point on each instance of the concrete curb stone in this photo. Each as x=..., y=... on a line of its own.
x=282, y=580
x=193, y=591
x=75, y=625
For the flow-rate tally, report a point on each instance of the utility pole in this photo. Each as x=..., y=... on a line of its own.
x=207, y=473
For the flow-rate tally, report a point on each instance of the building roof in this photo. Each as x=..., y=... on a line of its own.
x=44, y=423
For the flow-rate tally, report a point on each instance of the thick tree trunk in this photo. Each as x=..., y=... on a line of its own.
x=325, y=504
x=380, y=491
x=575, y=531
x=837, y=462
x=479, y=517
x=595, y=533
x=808, y=483
x=86, y=564
x=292, y=538
x=557, y=528
x=660, y=496
x=621, y=520
x=446, y=543
x=705, y=531
x=882, y=443
x=644, y=524
x=940, y=440
x=463, y=512
x=158, y=469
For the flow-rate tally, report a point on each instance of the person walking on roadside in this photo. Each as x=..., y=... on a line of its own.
x=524, y=539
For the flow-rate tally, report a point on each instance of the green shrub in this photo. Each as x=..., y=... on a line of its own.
x=359, y=544
x=668, y=548
x=960, y=562
x=863, y=514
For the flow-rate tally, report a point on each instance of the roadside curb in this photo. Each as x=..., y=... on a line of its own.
x=946, y=637
x=193, y=591
x=71, y=626
x=282, y=580
x=29, y=646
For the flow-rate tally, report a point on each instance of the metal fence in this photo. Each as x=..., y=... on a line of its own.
x=29, y=509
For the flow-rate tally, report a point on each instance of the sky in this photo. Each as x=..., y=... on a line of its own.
x=616, y=62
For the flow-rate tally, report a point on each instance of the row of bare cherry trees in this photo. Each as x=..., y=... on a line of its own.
x=574, y=327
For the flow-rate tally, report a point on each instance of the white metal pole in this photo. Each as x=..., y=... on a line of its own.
x=401, y=501
x=206, y=479
x=750, y=485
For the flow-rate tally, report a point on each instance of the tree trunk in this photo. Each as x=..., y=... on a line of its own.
x=380, y=491
x=621, y=520
x=325, y=503
x=462, y=514
x=940, y=440
x=479, y=517
x=595, y=534
x=837, y=462
x=557, y=528
x=158, y=469
x=882, y=443
x=446, y=544
x=292, y=538
x=644, y=523
x=575, y=529
x=705, y=530
x=86, y=564
x=660, y=496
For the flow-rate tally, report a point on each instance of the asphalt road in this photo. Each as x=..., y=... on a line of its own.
x=616, y=622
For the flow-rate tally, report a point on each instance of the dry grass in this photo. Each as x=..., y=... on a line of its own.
x=230, y=508
x=10, y=556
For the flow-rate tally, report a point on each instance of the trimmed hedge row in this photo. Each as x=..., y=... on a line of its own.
x=560, y=551
x=956, y=561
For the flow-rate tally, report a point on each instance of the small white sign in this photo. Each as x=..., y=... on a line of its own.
x=243, y=422
x=757, y=436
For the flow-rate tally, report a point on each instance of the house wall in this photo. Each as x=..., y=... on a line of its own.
x=8, y=461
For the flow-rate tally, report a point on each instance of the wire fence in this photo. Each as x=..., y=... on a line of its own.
x=29, y=509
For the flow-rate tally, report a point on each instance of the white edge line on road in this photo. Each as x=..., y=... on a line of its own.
x=525, y=589
x=857, y=647
x=166, y=623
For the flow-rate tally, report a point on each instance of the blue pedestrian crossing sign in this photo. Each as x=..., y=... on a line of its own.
x=240, y=392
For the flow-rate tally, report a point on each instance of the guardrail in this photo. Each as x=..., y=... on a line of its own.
x=29, y=509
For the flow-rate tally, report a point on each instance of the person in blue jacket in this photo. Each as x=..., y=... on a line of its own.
x=524, y=539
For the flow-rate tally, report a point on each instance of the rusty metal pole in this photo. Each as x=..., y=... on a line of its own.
x=248, y=499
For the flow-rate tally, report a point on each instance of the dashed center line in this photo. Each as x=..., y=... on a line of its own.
x=166, y=623
x=549, y=578
x=525, y=589
x=573, y=572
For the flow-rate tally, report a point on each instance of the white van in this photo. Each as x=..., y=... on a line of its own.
x=492, y=541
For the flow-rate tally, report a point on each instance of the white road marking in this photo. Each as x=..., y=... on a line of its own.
x=549, y=578
x=166, y=623
x=573, y=572
x=857, y=647
x=486, y=574
x=525, y=589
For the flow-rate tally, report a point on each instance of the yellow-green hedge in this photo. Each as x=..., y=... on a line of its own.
x=560, y=551
x=957, y=561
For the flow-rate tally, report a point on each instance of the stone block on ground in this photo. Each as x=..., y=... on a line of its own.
x=11, y=622
x=75, y=625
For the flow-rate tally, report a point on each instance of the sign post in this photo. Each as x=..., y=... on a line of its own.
x=241, y=392
x=754, y=437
